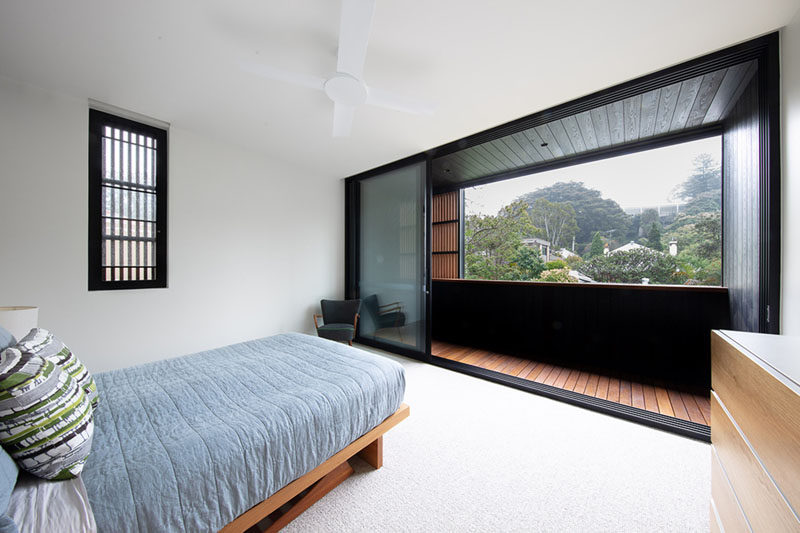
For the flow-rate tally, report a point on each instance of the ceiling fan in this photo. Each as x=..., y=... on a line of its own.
x=346, y=87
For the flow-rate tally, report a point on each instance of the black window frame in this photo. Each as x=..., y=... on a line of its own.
x=97, y=121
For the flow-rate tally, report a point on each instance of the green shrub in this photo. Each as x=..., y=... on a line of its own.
x=555, y=264
x=632, y=266
x=558, y=275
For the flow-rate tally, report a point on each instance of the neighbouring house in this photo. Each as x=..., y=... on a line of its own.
x=563, y=253
x=542, y=244
x=583, y=278
x=628, y=247
x=673, y=247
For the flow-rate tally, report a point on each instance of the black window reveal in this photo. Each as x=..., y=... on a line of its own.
x=127, y=203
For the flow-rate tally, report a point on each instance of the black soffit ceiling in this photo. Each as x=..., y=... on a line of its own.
x=686, y=105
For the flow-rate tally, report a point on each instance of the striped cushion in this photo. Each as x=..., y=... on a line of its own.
x=42, y=343
x=46, y=420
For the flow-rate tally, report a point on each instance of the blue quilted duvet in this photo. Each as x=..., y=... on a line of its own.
x=190, y=443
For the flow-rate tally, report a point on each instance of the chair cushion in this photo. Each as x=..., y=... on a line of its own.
x=42, y=343
x=336, y=332
x=45, y=417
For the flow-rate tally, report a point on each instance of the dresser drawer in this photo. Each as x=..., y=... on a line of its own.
x=764, y=407
x=762, y=502
x=730, y=514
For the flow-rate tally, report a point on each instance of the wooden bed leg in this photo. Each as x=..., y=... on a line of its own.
x=373, y=453
x=320, y=489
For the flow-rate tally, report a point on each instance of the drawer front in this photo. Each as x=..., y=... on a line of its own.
x=714, y=528
x=764, y=506
x=730, y=514
x=767, y=411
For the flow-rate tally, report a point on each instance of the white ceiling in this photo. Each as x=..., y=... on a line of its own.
x=483, y=63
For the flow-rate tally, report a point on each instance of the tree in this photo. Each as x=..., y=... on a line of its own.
x=649, y=217
x=705, y=202
x=633, y=230
x=592, y=212
x=709, y=236
x=697, y=228
x=705, y=177
x=654, y=238
x=492, y=245
x=632, y=266
x=557, y=219
x=530, y=262
x=597, y=245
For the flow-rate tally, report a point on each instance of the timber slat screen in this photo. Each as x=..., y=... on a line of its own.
x=446, y=236
x=128, y=206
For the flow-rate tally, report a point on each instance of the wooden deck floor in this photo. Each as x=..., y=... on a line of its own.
x=643, y=395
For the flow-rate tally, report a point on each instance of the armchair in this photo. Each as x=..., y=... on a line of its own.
x=340, y=320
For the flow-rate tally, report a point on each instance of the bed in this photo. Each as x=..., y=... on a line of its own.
x=220, y=439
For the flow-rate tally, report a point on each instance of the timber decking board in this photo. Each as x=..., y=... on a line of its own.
x=625, y=392
x=602, y=388
x=591, y=385
x=650, y=401
x=654, y=397
x=637, y=395
x=583, y=379
x=664, y=405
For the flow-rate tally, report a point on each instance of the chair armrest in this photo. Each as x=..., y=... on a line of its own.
x=316, y=326
x=390, y=308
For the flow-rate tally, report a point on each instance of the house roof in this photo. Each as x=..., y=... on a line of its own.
x=628, y=247
x=482, y=64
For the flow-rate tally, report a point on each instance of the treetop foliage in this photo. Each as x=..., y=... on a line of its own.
x=592, y=212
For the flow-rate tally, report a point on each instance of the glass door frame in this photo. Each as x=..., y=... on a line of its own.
x=352, y=246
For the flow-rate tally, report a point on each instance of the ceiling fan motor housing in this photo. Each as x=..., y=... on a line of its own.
x=345, y=89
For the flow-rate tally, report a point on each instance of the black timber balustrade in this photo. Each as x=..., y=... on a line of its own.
x=650, y=331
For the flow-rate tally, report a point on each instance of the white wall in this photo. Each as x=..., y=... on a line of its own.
x=253, y=244
x=790, y=153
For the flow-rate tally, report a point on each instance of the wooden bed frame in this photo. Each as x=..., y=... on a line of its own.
x=289, y=502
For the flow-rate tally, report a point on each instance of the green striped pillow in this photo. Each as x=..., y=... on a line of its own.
x=42, y=343
x=46, y=420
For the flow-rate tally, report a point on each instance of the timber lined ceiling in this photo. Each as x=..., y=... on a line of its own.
x=698, y=101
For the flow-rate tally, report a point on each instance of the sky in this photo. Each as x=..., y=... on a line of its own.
x=643, y=179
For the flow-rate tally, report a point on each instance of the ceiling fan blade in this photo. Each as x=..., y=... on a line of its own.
x=388, y=100
x=295, y=78
x=354, y=35
x=342, y=119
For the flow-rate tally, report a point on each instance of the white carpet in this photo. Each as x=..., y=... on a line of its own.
x=477, y=456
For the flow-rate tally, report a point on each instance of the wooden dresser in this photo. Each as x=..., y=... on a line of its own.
x=755, y=432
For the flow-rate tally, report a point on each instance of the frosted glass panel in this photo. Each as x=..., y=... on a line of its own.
x=392, y=257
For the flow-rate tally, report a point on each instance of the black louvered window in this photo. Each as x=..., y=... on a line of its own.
x=127, y=203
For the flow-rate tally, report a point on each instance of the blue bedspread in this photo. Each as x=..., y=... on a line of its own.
x=190, y=443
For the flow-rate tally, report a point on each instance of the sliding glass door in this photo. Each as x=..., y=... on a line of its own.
x=389, y=257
